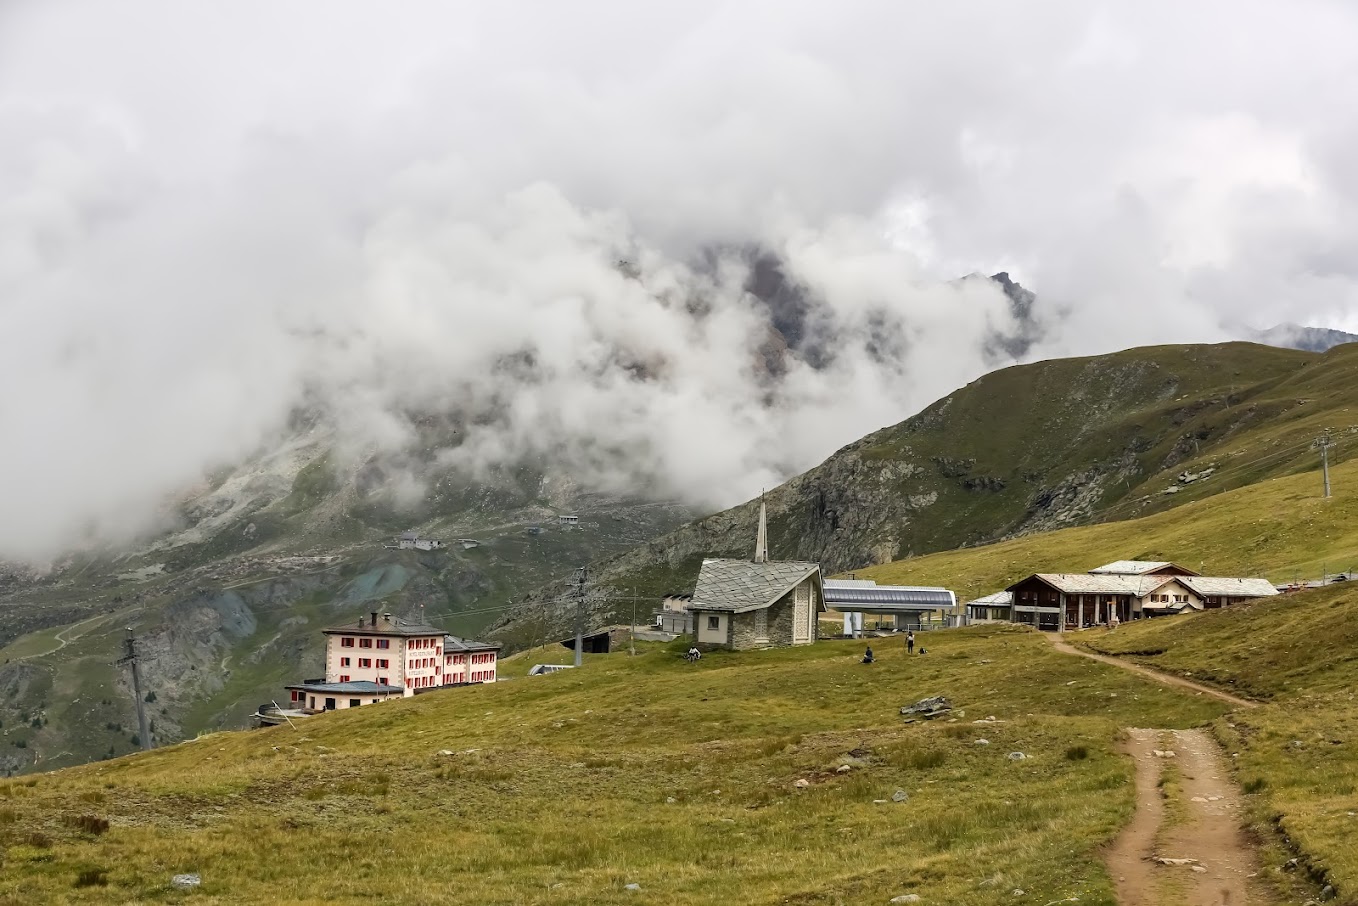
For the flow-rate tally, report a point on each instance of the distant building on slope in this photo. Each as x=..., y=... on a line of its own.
x=673, y=616
x=1127, y=590
x=379, y=658
x=759, y=603
x=413, y=541
x=992, y=608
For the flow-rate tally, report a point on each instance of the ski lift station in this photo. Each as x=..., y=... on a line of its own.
x=907, y=606
x=567, y=520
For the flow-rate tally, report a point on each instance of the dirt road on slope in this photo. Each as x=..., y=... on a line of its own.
x=1165, y=678
x=1201, y=857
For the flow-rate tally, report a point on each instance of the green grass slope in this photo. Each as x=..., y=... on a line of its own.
x=683, y=779
x=1298, y=754
x=1029, y=449
x=1280, y=528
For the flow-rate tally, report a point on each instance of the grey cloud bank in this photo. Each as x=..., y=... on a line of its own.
x=212, y=215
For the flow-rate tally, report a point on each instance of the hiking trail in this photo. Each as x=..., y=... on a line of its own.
x=1167, y=679
x=1202, y=857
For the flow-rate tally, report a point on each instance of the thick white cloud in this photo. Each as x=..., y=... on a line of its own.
x=210, y=213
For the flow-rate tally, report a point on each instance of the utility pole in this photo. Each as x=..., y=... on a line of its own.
x=130, y=659
x=581, y=574
x=632, y=643
x=1324, y=443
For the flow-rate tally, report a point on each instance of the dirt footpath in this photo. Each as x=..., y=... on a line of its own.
x=1202, y=857
x=1165, y=678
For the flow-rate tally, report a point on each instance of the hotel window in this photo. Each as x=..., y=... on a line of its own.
x=346, y=642
x=714, y=622
x=384, y=680
x=383, y=663
x=384, y=643
x=344, y=662
x=344, y=678
x=354, y=702
x=365, y=662
x=365, y=643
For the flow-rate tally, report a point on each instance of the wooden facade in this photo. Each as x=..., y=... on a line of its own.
x=1039, y=603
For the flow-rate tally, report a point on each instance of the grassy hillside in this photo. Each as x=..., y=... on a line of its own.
x=219, y=639
x=680, y=778
x=1280, y=528
x=1034, y=448
x=1297, y=755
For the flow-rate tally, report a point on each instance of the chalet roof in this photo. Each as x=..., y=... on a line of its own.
x=738, y=585
x=1225, y=587
x=996, y=599
x=1140, y=586
x=453, y=644
x=358, y=687
x=410, y=536
x=1088, y=584
x=1137, y=568
x=385, y=626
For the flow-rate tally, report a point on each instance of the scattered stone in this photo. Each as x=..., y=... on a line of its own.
x=446, y=752
x=928, y=708
x=1198, y=799
x=1327, y=892
x=1017, y=756
x=906, y=898
x=670, y=800
x=879, y=802
x=1197, y=868
x=632, y=887
x=843, y=769
x=1020, y=892
x=1164, y=861
x=900, y=796
x=802, y=784
x=1291, y=865
x=1168, y=753
x=982, y=742
x=184, y=882
x=1213, y=798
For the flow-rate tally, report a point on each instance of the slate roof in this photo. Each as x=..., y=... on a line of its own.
x=738, y=585
x=357, y=687
x=452, y=644
x=1136, y=567
x=1140, y=586
x=385, y=627
x=997, y=599
x=1088, y=584
x=1237, y=588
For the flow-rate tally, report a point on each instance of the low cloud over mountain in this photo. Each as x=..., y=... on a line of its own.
x=686, y=247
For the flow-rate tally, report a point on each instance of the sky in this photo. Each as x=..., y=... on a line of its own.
x=214, y=215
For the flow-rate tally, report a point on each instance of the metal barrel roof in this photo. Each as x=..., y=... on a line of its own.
x=889, y=596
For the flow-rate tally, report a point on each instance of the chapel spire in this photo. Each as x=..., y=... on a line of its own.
x=761, y=542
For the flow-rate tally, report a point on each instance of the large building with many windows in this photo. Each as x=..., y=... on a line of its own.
x=380, y=657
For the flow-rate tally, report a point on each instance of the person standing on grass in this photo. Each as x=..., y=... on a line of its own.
x=910, y=642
